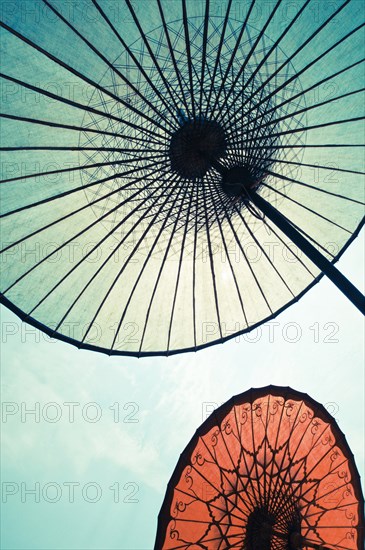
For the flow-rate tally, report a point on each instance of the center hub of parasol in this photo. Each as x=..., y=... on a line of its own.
x=238, y=181
x=259, y=530
x=195, y=146
x=265, y=530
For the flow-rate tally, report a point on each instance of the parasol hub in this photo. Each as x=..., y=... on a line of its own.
x=195, y=145
x=238, y=181
x=259, y=531
x=296, y=541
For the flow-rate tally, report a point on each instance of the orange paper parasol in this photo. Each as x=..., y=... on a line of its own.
x=270, y=469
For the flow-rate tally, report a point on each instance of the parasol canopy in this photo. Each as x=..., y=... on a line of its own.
x=268, y=470
x=176, y=173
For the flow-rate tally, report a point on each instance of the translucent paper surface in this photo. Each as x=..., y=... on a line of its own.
x=104, y=244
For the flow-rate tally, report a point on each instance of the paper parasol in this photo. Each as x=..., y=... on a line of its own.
x=269, y=470
x=177, y=173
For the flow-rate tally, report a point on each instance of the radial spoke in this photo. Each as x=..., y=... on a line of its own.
x=233, y=55
x=71, y=127
x=315, y=146
x=155, y=62
x=80, y=188
x=330, y=168
x=188, y=55
x=82, y=167
x=217, y=58
x=82, y=77
x=292, y=98
x=248, y=262
x=75, y=148
x=249, y=55
x=319, y=189
x=311, y=127
x=121, y=242
x=121, y=75
x=94, y=248
x=301, y=205
x=223, y=238
x=78, y=105
x=204, y=53
x=304, y=110
x=192, y=196
x=304, y=69
x=135, y=59
x=172, y=56
x=166, y=253
x=130, y=256
x=277, y=42
x=87, y=228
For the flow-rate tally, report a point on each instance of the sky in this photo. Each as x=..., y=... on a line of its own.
x=109, y=431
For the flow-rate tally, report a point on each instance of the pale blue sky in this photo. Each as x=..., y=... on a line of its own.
x=166, y=396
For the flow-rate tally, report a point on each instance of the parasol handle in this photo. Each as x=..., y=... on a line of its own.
x=346, y=287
